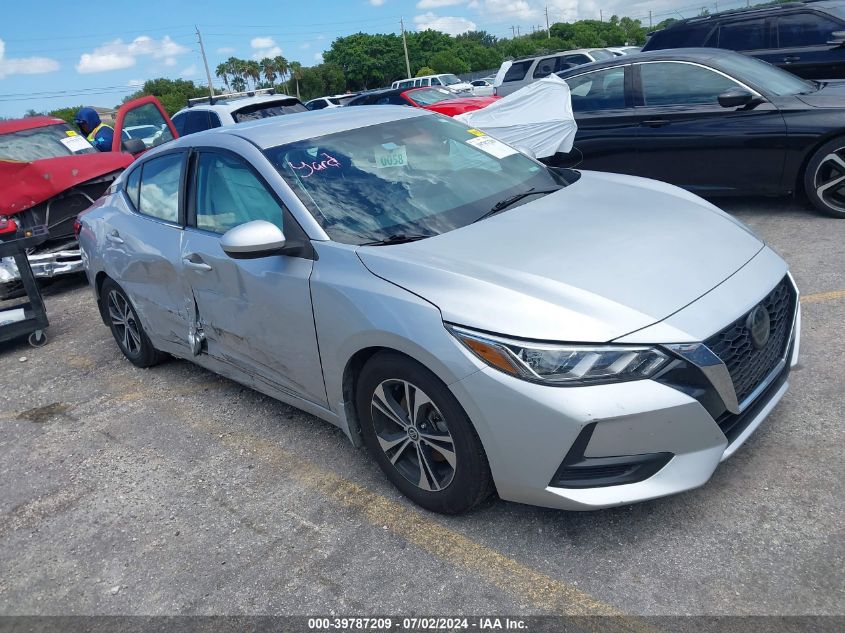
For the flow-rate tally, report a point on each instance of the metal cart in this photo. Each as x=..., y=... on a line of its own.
x=25, y=317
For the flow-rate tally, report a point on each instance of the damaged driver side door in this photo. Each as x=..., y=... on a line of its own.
x=251, y=315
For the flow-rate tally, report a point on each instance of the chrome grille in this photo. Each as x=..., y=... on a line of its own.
x=747, y=365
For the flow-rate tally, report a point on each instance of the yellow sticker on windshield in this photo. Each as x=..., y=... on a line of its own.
x=70, y=132
x=475, y=132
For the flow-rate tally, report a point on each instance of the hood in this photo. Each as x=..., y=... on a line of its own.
x=37, y=181
x=460, y=105
x=830, y=95
x=601, y=258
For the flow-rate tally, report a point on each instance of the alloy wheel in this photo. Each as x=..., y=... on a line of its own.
x=829, y=180
x=413, y=434
x=125, y=323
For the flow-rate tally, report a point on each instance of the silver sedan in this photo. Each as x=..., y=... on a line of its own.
x=478, y=321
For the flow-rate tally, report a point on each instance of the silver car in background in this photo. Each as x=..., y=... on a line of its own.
x=479, y=321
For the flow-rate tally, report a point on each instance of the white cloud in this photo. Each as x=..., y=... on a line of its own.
x=318, y=57
x=448, y=24
x=116, y=54
x=225, y=50
x=190, y=71
x=437, y=4
x=264, y=47
x=377, y=3
x=498, y=10
x=25, y=65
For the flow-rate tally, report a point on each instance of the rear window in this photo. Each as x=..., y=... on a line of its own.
x=679, y=37
x=600, y=53
x=50, y=141
x=517, y=71
x=427, y=96
x=267, y=109
x=747, y=35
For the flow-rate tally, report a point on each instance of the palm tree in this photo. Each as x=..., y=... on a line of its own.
x=222, y=71
x=268, y=67
x=281, y=66
x=296, y=74
x=252, y=70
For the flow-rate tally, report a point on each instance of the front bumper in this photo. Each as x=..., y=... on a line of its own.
x=530, y=432
x=51, y=264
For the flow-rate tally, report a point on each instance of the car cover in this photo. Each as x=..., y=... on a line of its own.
x=537, y=118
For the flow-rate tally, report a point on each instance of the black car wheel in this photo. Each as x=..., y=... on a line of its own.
x=420, y=435
x=824, y=178
x=126, y=327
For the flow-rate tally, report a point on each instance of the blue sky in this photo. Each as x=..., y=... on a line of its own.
x=54, y=55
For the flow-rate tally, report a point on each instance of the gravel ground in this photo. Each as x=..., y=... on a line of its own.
x=172, y=490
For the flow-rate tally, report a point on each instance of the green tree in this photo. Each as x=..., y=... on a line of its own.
x=66, y=114
x=448, y=62
x=296, y=75
x=222, y=71
x=425, y=70
x=173, y=93
x=268, y=68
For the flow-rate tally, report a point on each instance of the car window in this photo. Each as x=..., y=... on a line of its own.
x=517, y=71
x=213, y=119
x=679, y=37
x=133, y=184
x=545, y=67
x=50, y=141
x=268, y=109
x=805, y=29
x=149, y=114
x=601, y=54
x=681, y=84
x=601, y=90
x=319, y=104
x=159, y=189
x=575, y=59
x=424, y=175
x=197, y=121
x=179, y=121
x=229, y=193
x=428, y=96
x=747, y=35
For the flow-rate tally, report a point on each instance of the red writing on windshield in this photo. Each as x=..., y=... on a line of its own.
x=315, y=166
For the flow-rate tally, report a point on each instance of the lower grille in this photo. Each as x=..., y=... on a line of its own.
x=747, y=365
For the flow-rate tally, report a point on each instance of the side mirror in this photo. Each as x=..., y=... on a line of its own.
x=735, y=98
x=838, y=38
x=252, y=240
x=133, y=146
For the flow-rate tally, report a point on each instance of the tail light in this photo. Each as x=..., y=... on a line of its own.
x=8, y=225
x=77, y=223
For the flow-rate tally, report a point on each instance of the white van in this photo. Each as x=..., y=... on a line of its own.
x=514, y=74
x=447, y=80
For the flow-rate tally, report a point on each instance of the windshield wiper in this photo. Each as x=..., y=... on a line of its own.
x=504, y=204
x=398, y=238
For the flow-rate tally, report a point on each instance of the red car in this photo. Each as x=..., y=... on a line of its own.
x=436, y=99
x=49, y=173
x=445, y=102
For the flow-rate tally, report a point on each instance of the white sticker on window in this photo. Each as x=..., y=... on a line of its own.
x=492, y=146
x=391, y=156
x=75, y=143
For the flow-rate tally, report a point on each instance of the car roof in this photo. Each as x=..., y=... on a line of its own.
x=751, y=11
x=290, y=128
x=669, y=54
x=28, y=123
x=230, y=105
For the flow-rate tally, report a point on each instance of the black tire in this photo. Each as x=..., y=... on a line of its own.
x=130, y=337
x=440, y=415
x=824, y=169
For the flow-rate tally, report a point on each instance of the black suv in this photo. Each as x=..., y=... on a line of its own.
x=806, y=38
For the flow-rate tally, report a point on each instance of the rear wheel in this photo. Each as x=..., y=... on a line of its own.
x=420, y=436
x=824, y=178
x=126, y=327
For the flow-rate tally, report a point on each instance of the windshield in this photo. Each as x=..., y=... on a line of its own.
x=600, y=53
x=51, y=141
x=449, y=80
x=767, y=77
x=265, y=110
x=416, y=176
x=427, y=96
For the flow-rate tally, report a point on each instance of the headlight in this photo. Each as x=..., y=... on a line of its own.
x=563, y=364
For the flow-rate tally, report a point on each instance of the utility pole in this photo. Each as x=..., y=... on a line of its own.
x=601, y=15
x=405, y=46
x=513, y=30
x=205, y=62
x=517, y=30
x=650, y=25
x=548, y=30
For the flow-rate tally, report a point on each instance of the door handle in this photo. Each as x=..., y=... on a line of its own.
x=792, y=58
x=189, y=263
x=114, y=236
x=655, y=123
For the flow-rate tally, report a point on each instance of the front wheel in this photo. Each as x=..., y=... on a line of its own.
x=420, y=435
x=824, y=178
